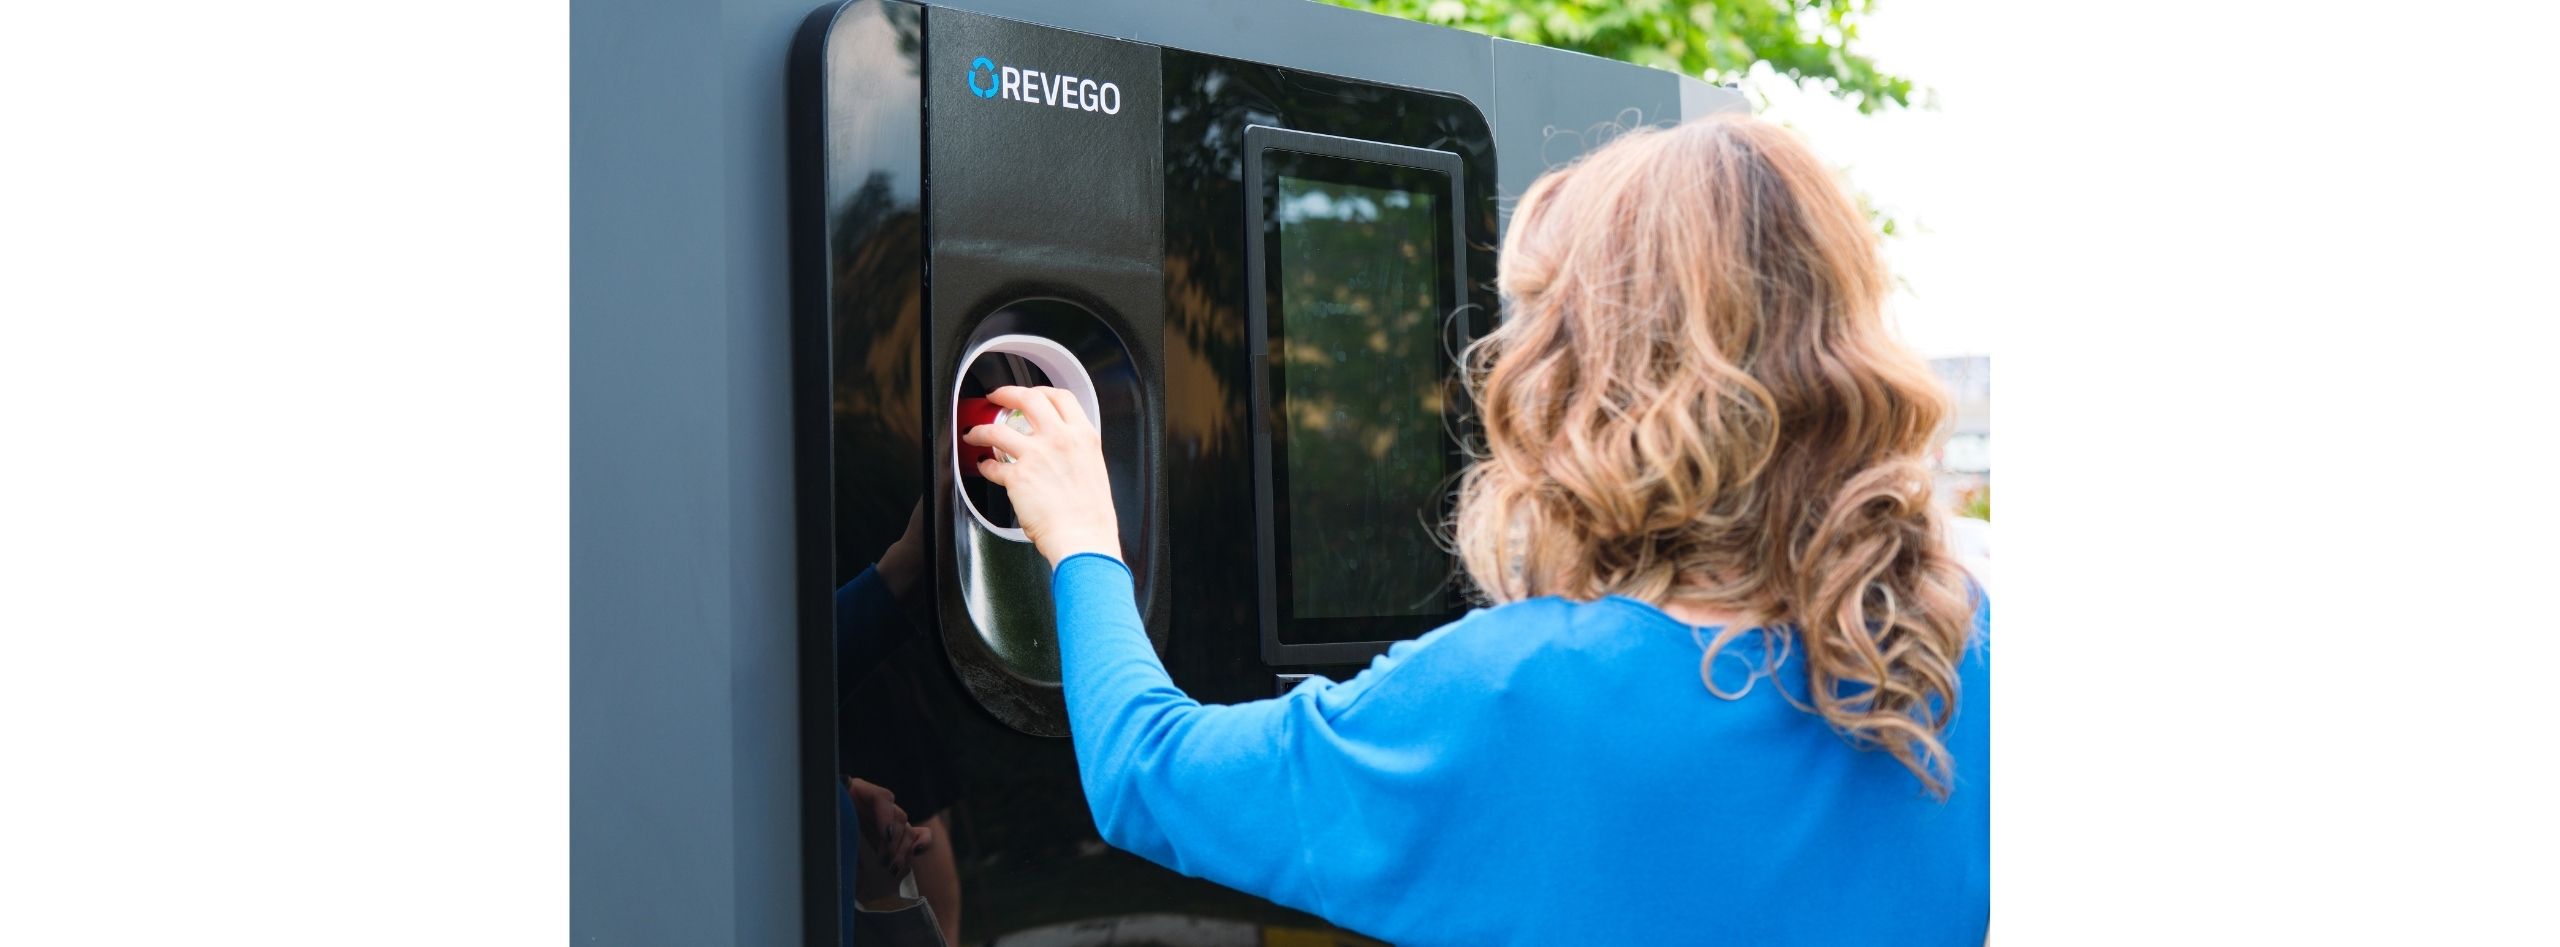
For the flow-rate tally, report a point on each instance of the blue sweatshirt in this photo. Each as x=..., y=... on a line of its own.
x=1545, y=772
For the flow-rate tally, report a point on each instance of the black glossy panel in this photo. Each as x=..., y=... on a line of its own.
x=1209, y=454
x=858, y=306
x=1047, y=183
x=1302, y=34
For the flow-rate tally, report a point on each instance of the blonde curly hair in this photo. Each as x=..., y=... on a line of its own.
x=1692, y=397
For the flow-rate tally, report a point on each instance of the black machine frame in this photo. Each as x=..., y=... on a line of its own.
x=865, y=235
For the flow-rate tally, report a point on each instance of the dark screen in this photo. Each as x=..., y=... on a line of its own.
x=1359, y=374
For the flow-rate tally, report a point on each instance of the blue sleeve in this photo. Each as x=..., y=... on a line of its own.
x=1223, y=792
x=868, y=624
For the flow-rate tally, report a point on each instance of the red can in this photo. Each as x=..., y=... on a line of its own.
x=973, y=412
x=976, y=411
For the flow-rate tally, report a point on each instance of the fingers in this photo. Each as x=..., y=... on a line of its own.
x=996, y=471
x=1064, y=402
x=1030, y=401
x=1050, y=408
x=1000, y=437
x=911, y=843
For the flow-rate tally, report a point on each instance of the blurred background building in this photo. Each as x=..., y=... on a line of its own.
x=1964, y=458
x=1963, y=461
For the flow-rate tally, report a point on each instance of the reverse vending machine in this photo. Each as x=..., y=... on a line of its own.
x=1255, y=271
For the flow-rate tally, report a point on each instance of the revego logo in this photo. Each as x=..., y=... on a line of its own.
x=989, y=81
x=987, y=67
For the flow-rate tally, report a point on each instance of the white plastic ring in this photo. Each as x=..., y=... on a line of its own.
x=1065, y=371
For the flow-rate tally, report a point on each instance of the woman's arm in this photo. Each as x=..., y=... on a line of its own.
x=1281, y=798
x=1319, y=799
x=1204, y=790
x=869, y=618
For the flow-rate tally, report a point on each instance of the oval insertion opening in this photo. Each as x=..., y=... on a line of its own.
x=1026, y=360
x=1006, y=652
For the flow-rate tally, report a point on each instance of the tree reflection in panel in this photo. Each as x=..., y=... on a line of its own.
x=1360, y=384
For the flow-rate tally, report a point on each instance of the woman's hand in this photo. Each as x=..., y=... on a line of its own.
x=1058, y=485
x=887, y=845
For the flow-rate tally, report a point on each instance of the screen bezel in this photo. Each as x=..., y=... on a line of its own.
x=1261, y=187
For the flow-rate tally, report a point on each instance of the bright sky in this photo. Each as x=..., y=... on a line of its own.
x=1915, y=165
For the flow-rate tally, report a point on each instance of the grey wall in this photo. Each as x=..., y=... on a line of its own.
x=683, y=823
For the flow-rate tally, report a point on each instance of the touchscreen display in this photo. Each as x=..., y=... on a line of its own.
x=1357, y=371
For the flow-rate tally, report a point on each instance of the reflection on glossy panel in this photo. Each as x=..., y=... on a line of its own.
x=938, y=700
x=859, y=250
x=1366, y=458
x=1209, y=429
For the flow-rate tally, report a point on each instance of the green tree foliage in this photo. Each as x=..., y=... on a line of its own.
x=1808, y=41
x=1975, y=503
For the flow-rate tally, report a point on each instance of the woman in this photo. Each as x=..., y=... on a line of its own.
x=1732, y=689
